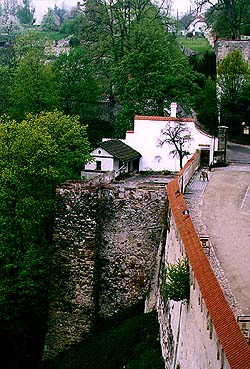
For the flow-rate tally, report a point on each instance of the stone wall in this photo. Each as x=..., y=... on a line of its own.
x=223, y=47
x=106, y=239
x=130, y=237
x=72, y=306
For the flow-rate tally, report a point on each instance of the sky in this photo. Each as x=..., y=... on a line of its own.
x=41, y=6
x=181, y=5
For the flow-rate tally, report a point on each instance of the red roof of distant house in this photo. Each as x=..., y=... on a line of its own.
x=153, y=117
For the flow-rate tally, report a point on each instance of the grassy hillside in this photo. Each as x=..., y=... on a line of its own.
x=196, y=44
x=131, y=344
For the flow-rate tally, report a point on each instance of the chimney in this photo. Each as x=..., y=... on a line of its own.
x=173, y=109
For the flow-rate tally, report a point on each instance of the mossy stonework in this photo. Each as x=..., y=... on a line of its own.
x=106, y=240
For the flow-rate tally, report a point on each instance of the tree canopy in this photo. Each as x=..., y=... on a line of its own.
x=36, y=154
x=228, y=18
x=233, y=91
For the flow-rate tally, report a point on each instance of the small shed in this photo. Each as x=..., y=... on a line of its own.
x=112, y=155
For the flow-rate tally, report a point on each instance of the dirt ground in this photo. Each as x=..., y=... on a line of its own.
x=225, y=210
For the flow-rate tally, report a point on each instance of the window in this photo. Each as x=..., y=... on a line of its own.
x=98, y=165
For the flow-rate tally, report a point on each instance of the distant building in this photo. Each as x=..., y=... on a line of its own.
x=197, y=26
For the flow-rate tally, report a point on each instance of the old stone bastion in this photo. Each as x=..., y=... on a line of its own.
x=112, y=243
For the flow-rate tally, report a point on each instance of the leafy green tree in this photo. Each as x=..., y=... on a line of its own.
x=33, y=87
x=25, y=12
x=152, y=75
x=35, y=155
x=50, y=21
x=228, y=18
x=78, y=88
x=232, y=73
x=233, y=81
x=206, y=106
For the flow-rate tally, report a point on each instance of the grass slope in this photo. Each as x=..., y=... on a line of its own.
x=196, y=44
x=130, y=344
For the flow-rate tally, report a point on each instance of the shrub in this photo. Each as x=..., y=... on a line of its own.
x=175, y=284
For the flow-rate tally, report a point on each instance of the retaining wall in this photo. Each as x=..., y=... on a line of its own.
x=223, y=47
x=105, y=244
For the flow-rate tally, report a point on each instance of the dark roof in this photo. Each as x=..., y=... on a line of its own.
x=119, y=150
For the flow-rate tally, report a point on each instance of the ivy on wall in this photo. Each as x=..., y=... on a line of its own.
x=176, y=281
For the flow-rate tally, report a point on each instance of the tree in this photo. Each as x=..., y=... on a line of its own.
x=227, y=17
x=33, y=86
x=177, y=135
x=206, y=106
x=50, y=21
x=233, y=79
x=35, y=155
x=25, y=12
x=78, y=88
x=232, y=73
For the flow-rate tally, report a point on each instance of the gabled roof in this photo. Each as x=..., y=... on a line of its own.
x=120, y=150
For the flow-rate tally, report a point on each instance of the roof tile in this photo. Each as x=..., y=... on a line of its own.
x=120, y=150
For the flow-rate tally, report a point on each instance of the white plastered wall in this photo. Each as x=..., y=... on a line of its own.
x=145, y=139
x=196, y=345
x=107, y=160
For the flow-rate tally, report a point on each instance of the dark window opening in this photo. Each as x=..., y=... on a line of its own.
x=98, y=165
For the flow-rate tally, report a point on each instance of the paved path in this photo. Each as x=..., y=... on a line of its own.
x=220, y=209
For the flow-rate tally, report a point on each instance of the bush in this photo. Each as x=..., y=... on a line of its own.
x=175, y=284
x=132, y=343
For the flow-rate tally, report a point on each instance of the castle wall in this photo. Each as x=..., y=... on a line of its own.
x=71, y=290
x=130, y=236
x=223, y=47
x=105, y=243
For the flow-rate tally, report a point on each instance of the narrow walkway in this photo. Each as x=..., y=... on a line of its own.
x=194, y=196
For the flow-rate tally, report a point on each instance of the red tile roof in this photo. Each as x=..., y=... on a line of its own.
x=227, y=329
x=148, y=117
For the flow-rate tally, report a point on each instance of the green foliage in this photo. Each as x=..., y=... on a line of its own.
x=52, y=35
x=50, y=21
x=204, y=63
x=234, y=81
x=35, y=155
x=78, y=88
x=232, y=74
x=25, y=12
x=33, y=88
x=133, y=344
x=206, y=107
x=229, y=19
x=175, y=283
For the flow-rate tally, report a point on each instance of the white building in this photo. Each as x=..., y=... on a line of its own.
x=144, y=141
x=198, y=25
x=112, y=155
x=147, y=133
